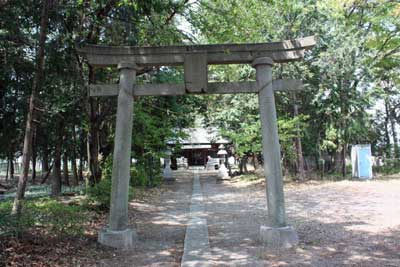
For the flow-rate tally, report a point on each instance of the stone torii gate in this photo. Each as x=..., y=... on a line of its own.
x=195, y=59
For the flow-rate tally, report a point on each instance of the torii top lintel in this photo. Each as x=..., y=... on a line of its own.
x=284, y=51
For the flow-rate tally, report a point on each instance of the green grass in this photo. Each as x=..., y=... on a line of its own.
x=55, y=217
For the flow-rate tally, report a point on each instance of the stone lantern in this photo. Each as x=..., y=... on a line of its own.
x=222, y=171
x=167, y=172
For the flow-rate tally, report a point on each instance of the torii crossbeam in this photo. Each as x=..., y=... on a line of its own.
x=195, y=59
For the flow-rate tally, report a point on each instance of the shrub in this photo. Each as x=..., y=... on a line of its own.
x=60, y=219
x=146, y=172
x=14, y=225
x=100, y=193
x=57, y=218
x=139, y=175
x=390, y=166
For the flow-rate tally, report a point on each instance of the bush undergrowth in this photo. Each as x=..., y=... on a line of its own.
x=57, y=218
x=141, y=175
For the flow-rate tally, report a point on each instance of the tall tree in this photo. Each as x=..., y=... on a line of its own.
x=27, y=149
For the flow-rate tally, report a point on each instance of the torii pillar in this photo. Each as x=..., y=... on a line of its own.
x=277, y=233
x=195, y=59
x=118, y=234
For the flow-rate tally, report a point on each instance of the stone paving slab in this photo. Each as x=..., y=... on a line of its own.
x=196, y=247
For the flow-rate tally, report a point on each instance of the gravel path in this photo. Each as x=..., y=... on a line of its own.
x=347, y=223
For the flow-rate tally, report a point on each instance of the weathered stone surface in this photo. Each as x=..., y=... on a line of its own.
x=117, y=239
x=195, y=72
x=284, y=51
x=270, y=143
x=180, y=89
x=195, y=59
x=118, y=220
x=279, y=237
x=167, y=172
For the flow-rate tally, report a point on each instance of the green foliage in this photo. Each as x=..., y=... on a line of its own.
x=390, y=166
x=146, y=173
x=13, y=225
x=58, y=218
x=354, y=65
x=288, y=129
x=100, y=194
x=55, y=217
x=139, y=175
x=357, y=43
x=143, y=173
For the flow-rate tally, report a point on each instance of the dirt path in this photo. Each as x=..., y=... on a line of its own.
x=160, y=223
x=339, y=223
x=348, y=223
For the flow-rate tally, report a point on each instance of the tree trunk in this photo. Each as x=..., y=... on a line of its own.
x=388, y=149
x=394, y=133
x=297, y=140
x=337, y=166
x=65, y=168
x=8, y=166
x=34, y=157
x=47, y=174
x=11, y=169
x=92, y=107
x=244, y=162
x=45, y=159
x=81, y=154
x=26, y=155
x=344, y=152
x=93, y=138
x=75, y=180
x=56, y=179
x=241, y=165
x=80, y=172
x=255, y=161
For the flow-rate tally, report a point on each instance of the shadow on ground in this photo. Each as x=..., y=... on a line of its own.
x=339, y=224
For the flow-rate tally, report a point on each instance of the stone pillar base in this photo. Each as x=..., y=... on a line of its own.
x=278, y=237
x=117, y=239
x=167, y=174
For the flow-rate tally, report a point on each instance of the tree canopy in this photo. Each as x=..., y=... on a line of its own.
x=351, y=76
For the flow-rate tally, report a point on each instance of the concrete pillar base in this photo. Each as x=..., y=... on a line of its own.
x=279, y=237
x=117, y=239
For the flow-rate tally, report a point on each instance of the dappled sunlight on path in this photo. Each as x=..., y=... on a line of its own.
x=347, y=223
x=160, y=222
